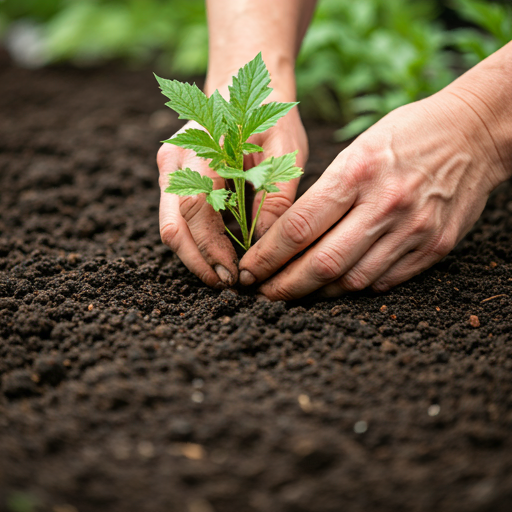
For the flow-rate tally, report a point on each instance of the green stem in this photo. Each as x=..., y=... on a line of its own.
x=253, y=226
x=235, y=214
x=240, y=194
x=235, y=238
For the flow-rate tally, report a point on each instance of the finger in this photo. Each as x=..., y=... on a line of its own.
x=176, y=235
x=205, y=227
x=276, y=203
x=428, y=253
x=310, y=217
x=274, y=206
x=409, y=266
x=334, y=255
x=380, y=257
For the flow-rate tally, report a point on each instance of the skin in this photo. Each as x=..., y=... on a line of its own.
x=391, y=205
x=238, y=31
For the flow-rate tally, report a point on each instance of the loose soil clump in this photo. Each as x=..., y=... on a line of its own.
x=126, y=385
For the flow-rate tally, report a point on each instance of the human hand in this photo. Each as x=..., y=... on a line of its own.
x=192, y=229
x=390, y=206
x=189, y=225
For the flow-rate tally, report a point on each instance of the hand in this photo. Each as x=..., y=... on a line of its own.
x=390, y=206
x=190, y=226
x=286, y=137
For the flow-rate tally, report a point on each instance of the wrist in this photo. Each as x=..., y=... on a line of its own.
x=485, y=93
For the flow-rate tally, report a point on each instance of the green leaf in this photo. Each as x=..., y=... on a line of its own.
x=274, y=170
x=231, y=146
x=217, y=198
x=248, y=148
x=265, y=117
x=356, y=126
x=233, y=200
x=229, y=173
x=191, y=103
x=189, y=183
x=199, y=141
x=250, y=88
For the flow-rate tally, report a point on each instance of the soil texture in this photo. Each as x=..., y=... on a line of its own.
x=126, y=385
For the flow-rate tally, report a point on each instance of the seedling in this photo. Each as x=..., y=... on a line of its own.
x=227, y=127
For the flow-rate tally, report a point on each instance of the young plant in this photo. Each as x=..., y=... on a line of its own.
x=227, y=127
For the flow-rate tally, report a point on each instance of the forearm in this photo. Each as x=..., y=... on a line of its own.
x=487, y=91
x=240, y=29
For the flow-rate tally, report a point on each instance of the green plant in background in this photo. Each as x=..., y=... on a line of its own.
x=360, y=59
x=228, y=126
x=496, y=22
x=21, y=501
x=172, y=31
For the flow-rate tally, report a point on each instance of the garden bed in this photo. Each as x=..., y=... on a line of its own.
x=126, y=385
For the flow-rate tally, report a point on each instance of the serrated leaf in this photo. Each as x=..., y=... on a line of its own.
x=233, y=200
x=192, y=104
x=271, y=188
x=248, y=148
x=189, y=183
x=199, y=141
x=274, y=170
x=229, y=173
x=231, y=141
x=250, y=88
x=217, y=198
x=265, y=117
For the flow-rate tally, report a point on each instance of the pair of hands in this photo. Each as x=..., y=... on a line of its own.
x=391, y=205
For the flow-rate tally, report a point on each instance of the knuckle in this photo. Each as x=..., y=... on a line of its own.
x=423, y=226
x=190, y=207
x=263, y=260
x=278, y=292
x=382, y=286
x=298, y=228
x=362, y=164
x=206, y=277
x=425, y=222
x=326, y=266
x=357, y=166
x=277, y=204
x=169, y=233
x=394, y=197
x=443, y=244
x=354, y=281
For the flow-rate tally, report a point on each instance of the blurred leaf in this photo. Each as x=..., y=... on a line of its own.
x=355, y=127
x=395, y=50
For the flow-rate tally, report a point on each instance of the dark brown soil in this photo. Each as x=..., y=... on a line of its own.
x=126, y=385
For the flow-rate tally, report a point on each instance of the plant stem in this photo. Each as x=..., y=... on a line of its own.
x=240, y=192
x=235, y=214
x=235, y=238
x=253, y=226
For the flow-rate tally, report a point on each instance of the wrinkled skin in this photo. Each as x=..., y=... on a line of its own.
x=194, y=231
x=391, y=205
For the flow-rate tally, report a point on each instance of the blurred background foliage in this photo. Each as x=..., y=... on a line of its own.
x=360, y=58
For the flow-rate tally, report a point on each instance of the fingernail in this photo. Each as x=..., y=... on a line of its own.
x=224, y=274
x=262, y=298
x=246, y=278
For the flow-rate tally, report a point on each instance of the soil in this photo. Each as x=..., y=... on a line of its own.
x=126, y=385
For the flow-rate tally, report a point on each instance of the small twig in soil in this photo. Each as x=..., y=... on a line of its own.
x=495, y=297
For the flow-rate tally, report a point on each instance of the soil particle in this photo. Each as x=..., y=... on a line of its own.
x=474, y=321
x=126, y=385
